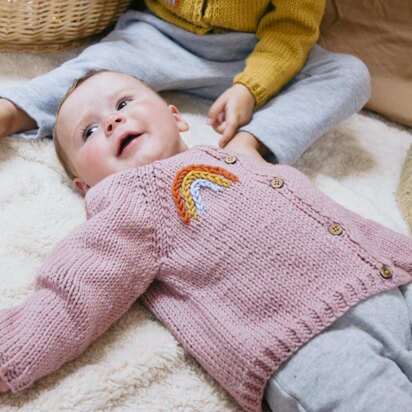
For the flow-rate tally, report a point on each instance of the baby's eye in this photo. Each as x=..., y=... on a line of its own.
x=122, y=103
x=88, y=131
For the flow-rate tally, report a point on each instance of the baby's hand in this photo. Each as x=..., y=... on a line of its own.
x=231, y=110
x=13, y=119
x=3, y=387
x=247, y=144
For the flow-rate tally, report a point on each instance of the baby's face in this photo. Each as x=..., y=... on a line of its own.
x=113, y=122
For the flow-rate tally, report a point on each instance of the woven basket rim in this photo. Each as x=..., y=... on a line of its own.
x=55, y=25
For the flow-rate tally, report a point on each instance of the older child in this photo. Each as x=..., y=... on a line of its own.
x=256, y=59
x=276, y=290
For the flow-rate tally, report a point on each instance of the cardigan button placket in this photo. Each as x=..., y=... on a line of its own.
x=335, y=229
x=277, y=183
x=385, y=272
x=230, y=159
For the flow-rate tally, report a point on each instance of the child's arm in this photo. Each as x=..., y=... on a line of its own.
x=85, y=284
x=13, y=119
x=286, y=34
x=39, y=97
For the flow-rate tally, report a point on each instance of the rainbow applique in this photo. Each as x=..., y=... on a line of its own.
x=190, y=180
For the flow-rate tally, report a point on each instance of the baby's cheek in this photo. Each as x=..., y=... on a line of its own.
x=98, y=165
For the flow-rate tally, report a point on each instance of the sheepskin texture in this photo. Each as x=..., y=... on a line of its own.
x=404, y=194
x=137, y=365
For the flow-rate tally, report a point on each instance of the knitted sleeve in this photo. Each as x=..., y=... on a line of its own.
x=286, y=35
x=88, y=281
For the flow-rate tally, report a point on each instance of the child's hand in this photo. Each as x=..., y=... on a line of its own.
x=3, y=387
x=245, y=143
x=13, y=119
x=231, y=110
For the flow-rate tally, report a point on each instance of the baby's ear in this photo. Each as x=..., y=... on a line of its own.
x=182, y=124
x=81, y=186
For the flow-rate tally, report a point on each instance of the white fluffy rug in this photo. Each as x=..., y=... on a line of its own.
x=137, y=365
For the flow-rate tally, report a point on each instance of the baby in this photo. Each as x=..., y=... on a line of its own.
x=152, y=132
x=278, y=292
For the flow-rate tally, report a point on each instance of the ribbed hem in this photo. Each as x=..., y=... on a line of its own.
x=250, y=394
x=4, y=372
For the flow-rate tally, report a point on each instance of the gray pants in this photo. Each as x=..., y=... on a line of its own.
x=329, y=88
x=363, y=362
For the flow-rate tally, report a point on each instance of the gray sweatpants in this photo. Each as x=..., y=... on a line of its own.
x=363, y=362
x=329, y=88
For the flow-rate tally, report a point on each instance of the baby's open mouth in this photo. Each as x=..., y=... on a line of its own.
x=125, y=140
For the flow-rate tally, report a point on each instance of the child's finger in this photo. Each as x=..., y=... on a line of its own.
x=227, y=135
x=230, y=130
x=232, y=122
x=217, y=107
x=217, y=127
x=217, y=122
x=221, y=127
x=225, y=140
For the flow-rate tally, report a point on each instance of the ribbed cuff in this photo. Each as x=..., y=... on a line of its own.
x=255, y=88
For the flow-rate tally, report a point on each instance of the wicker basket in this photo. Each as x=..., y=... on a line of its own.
x=41, y=25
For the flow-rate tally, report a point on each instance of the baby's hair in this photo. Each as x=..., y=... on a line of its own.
x=61, y=154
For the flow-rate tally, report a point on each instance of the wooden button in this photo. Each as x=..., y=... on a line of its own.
x=230, y=159
x=335, y=229
x=277, y=183
x=385, y=272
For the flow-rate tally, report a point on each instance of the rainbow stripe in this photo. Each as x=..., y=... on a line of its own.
x=190, y=180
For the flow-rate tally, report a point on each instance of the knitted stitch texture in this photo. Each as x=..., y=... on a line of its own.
x=243, y=285
x=286, y=31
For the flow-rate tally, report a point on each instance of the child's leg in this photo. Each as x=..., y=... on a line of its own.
x=406, y=291
x=329, y=89
x=142, y=45
x=363, y=362
x=169, y=58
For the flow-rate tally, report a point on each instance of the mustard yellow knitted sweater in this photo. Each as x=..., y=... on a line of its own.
x=286, y=30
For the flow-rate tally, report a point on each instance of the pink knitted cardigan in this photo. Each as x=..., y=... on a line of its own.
x=243, y=261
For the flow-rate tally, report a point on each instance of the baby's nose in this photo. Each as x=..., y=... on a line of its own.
x=112, y=122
